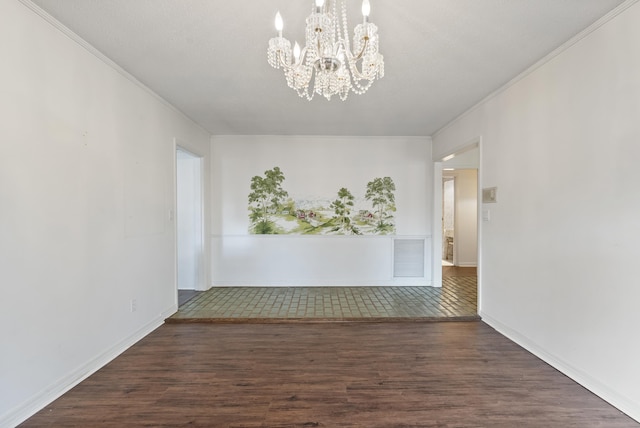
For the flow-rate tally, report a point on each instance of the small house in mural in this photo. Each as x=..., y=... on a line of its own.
x=304, y=215
x=365, y=215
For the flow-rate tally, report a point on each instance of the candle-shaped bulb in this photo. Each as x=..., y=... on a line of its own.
x=279, y=23
x=296, y=52
x=366, y=8
x=319, y=3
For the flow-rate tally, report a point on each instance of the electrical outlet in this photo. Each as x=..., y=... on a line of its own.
x=134, y=305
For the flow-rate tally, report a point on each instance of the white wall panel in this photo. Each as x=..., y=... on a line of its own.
x=315, y=167
x=86, y=187
x=559, y=254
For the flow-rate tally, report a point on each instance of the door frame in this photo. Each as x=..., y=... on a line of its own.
x=203, y=265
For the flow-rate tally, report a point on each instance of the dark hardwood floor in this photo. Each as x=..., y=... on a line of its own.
x=328, y=375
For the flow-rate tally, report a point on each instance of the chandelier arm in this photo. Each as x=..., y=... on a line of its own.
x=364, y=48
x=282, y=63
x=295, y=64
x=303, y=54
x=353, y=66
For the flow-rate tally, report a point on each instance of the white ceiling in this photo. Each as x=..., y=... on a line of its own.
x=208, y=57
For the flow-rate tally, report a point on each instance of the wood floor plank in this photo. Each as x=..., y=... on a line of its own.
x=329, y=375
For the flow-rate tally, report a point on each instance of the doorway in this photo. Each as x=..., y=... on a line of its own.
x=460, y=217
x=459, y=224
x=189, y=224
x=456, y=228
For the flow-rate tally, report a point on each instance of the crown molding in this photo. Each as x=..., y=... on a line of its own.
x=544, y=60
x=105, y=59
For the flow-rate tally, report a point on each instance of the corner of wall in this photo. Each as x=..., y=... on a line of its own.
x=625, y=405
x=20, y=414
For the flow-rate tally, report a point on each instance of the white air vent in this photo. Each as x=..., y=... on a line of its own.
x=408, y=258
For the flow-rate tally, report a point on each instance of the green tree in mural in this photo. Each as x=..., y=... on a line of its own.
x=380, y=193
x=342, y=209
x=266, y=198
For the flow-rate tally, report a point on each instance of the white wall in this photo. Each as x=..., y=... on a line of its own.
x=448, y=203
x=559, y=253
x=86, y=187
x=316, y=167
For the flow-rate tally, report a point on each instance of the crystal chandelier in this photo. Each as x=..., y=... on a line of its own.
x=327, y=65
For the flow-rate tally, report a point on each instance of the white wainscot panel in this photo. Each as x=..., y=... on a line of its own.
x=308, y=261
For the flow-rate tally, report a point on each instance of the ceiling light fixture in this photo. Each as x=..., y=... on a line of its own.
x=326, y=65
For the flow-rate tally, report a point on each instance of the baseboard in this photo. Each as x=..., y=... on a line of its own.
x=396, y=282
x=601, y=390
x=467, y=264
x=48, y=395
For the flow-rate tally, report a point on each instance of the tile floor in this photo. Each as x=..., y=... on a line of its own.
x=456, y=300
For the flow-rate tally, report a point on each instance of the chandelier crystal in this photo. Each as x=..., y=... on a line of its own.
x=328, y=65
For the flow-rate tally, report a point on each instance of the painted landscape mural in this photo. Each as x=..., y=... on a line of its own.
x=273, y=211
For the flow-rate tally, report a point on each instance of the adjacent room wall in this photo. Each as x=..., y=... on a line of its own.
x=559, y=253
x=315, y=168
x=87, y=243
x=189, y=209
x=466, y=217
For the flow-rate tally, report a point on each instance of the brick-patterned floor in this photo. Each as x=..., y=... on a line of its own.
x=456, y=300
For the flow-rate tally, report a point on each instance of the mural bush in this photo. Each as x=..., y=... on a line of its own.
x=265, y=200
x=380, y=192
x=342, y=209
